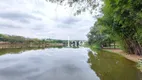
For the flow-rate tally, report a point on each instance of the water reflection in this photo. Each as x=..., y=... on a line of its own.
x=47, y=64
x=64, y=64
x=20, y=50
x=109, y=66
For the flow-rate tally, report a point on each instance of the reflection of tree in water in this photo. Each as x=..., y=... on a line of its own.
x=109, y=66
x=15, y=50
x=19, y=50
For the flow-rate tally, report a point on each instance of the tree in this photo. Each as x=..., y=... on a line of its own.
x=100, y=35
x=80, y=5
x=124, y=17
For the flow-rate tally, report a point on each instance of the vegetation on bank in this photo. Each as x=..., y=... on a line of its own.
x=121, y=23
x=139, y=65
x=12, y=39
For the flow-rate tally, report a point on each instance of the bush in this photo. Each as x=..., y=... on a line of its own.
x=139, y=65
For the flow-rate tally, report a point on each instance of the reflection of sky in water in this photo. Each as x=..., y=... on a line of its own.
x=48, y=64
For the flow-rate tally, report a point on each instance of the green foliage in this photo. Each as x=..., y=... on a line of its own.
x=100, y=35
x=124, y=18
x=20, y=39
x=139, y=65
x=12, y=38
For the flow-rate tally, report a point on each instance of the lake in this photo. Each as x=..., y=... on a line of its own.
x=65, y=64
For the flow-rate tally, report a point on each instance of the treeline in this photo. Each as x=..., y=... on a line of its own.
x=122, y=23
x=20, y=39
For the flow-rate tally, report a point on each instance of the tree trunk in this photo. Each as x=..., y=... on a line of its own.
x=133, y=47
x=114, y=45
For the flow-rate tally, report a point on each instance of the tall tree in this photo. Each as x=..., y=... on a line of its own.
x=99, y=35
x=124, y=17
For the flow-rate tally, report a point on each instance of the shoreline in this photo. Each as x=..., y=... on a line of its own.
x=131, y=57
x=23, y=45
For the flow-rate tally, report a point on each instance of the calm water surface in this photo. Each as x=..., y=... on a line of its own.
x=65, y=64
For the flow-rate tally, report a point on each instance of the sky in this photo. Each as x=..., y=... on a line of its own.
x=41, y=19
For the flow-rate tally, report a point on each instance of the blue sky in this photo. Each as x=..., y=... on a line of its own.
x=40, y=19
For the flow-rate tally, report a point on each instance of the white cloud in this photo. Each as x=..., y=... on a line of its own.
x=40, y=19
